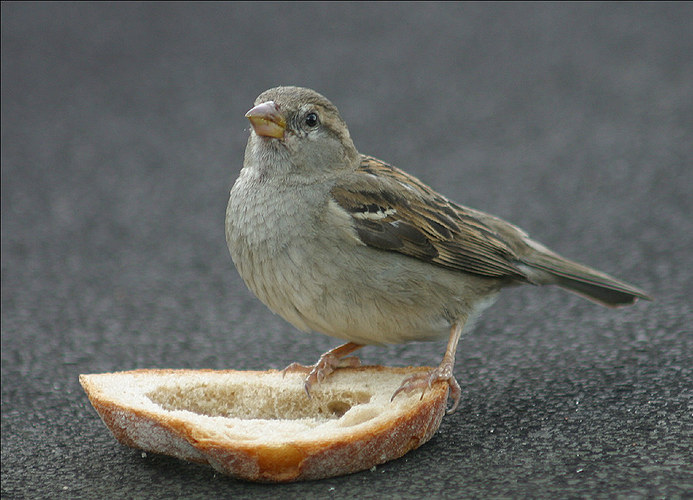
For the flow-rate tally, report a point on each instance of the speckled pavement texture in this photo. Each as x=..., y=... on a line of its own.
x=123, y=129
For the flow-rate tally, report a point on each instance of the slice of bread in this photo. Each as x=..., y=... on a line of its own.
x=261, y=426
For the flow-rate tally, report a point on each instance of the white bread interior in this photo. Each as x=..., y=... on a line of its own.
x=261, y=426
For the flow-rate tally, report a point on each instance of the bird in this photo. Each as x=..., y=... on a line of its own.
x=347, y=245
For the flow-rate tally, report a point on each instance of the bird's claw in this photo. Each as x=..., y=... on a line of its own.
x=327, y=364
x=296, y=367
x=424, y=381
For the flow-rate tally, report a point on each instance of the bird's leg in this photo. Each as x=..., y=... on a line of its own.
x=443, y=372
x=328, y=362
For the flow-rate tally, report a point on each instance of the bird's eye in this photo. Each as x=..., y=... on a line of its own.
x=311, y=119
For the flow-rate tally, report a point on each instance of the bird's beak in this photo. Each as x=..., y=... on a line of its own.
x=267, y=120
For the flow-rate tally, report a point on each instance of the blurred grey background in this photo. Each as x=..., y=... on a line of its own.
x=123, y=130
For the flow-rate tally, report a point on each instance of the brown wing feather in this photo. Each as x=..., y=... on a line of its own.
x=423, y=224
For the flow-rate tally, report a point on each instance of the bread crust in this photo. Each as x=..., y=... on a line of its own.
x=411, y=421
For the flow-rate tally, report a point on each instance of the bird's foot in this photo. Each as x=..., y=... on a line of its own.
x=424, y=381
x=327, y=363
x=325, y=366
x=297, y=367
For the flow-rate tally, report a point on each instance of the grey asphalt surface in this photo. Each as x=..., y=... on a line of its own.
x=123, y=129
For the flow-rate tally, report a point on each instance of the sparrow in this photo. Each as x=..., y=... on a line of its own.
x=344, y=244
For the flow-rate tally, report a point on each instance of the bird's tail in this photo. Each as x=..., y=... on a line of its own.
x=585, y=281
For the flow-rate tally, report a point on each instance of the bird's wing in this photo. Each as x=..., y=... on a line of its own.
x=394, y=211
